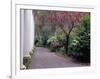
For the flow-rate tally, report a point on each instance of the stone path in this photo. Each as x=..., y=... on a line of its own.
x=43, y=58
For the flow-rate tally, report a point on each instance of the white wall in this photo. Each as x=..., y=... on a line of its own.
x=27, y=32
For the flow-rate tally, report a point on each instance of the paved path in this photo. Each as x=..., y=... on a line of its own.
x=43, y=58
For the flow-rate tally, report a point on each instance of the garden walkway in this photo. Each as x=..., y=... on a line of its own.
x=43, y=58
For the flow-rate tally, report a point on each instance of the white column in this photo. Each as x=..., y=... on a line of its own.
x=22, y=34
x=28, y=31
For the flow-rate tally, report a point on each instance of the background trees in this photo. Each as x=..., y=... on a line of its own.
x=42, y=29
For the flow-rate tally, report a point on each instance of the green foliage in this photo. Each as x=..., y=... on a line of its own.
x=23, y=67
x=26, y=60
x=55, y=42
x=51, y=41
x=80, y=46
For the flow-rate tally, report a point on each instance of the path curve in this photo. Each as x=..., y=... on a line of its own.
x=43, y=58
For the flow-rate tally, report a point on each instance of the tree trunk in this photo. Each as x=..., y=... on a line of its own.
x=67, y=44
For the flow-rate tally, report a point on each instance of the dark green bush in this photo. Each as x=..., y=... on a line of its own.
x=80, y=46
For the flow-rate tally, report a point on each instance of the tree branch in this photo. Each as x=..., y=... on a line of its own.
x=71, y=29
x=63, y=29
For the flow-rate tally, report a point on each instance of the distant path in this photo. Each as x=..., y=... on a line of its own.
x=43, y=58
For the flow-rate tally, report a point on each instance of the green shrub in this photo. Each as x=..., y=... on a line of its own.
x=23, y=67
x=55, y=42
x=31, y=52
x=50, y=42
x=80, y=46
x=26, y=60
